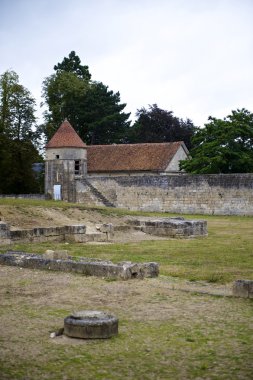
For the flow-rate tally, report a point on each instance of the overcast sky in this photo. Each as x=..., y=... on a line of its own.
x=192, y=57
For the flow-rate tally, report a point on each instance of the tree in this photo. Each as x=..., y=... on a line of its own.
x=223, y=145
x=72, y=64
x=18, y=136
x=93, y=110
x=17, y=109
x=63, y=93
x=158, y=125
x=104, y=121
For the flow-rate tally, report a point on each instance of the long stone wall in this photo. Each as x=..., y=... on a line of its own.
x=89, y=267
x=223, y=194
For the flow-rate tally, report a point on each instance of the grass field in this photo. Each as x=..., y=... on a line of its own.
x=165, y=332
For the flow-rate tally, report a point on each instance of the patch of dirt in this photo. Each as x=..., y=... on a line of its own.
x=28, y=217
x=156, y=320
x=22, y=217
x=34, y=292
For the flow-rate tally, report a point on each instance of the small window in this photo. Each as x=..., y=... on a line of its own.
x=57, y=156
x=77, y=167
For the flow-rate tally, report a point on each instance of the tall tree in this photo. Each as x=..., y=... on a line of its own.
x=94, y=111
x=104, y=119
x=17, y=109
x=223, y=145
x=158, y=125
x=63, y=93
x=18, y=136
x=8, y=82
x=72, y=64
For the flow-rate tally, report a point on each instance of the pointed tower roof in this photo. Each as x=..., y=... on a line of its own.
x=66, y=137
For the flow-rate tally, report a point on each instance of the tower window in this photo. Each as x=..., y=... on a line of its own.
x=57, y=156
x=77, y=167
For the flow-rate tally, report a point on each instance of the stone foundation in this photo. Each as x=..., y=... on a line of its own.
x=73, y=233
x=165, y=227
x=85, y=266
x=243, y=288
x=171, y=227
x=4, y=233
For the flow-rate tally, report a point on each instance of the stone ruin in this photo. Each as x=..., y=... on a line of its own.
x=165, y=227
x=243, y=288
x=124, y=270
x=177, y=227
x=90, y=324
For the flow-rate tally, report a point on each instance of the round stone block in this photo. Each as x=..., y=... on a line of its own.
x=89, y=324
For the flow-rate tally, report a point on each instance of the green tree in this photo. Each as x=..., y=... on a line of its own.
x=94, y=111
x=223, y=145
x=157, y=125
x=72, y=64
x=18, y=136
x=17, y=109
x=104, y=119
x=8, y=82
x=63, y=93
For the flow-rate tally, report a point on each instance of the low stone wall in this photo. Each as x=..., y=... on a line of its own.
x=167, y=227
x=218, y=194
x=4, y=233
x=72, y=233
x=23, y=196
x=85, y=266
x=243, y=288
x=171, y=227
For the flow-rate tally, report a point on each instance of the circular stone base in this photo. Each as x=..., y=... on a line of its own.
x=90, y=325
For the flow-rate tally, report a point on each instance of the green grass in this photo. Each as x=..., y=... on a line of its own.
x=224, y=255
x=164, y=334
x=199, y=337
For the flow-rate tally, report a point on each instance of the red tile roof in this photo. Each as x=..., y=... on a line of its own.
x=131, y=157
x=67, y=137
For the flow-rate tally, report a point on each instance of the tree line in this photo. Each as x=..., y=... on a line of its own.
x=97, y=114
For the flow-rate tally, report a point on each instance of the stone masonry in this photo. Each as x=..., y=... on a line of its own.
x=223, y=194
x=88, y=267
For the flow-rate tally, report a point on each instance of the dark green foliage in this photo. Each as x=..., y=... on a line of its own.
x=223, y=146
x=16, y=174
x=18, y=138
x=72, y=64
x=155, y=125
x=105, y=123
x=63, y=93
x=93, y=110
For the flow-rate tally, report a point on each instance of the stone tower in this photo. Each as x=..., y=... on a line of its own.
x=66, y=161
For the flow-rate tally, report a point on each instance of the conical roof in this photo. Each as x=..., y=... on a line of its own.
x=66, y=137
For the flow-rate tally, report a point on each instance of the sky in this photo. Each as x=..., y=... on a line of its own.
x=192, y=57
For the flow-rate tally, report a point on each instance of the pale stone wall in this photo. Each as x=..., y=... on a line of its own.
x=223, y=194
x=66, y=153
x=60, y=170
x=86, y=266
x=73, y=233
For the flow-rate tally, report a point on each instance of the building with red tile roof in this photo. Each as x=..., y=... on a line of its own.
x=70, y=163
x=133, y=158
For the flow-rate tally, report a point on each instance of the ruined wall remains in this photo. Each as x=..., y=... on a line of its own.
x=223, y=194
x=72, y=233
x=124, y=270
